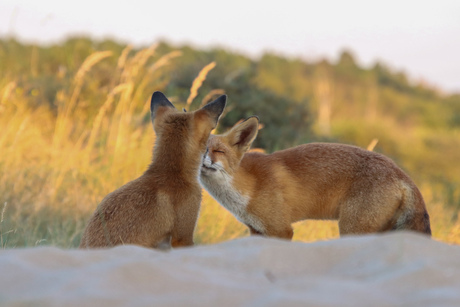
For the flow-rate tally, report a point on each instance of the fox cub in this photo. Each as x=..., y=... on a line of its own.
x=365, y=191
x=160, y=208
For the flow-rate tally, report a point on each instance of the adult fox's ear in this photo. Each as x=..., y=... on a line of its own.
x=216, y=107
x=159, y=100
x=244, y=134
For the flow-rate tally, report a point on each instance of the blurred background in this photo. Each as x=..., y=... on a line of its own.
x=76, y=78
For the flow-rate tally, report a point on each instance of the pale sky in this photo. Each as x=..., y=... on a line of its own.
x=422, y=38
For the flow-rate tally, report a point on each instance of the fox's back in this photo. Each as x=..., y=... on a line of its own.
x=337, y=162
x=326, y=162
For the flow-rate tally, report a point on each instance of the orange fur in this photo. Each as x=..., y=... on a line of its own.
x=365, y=191
x=160, y=208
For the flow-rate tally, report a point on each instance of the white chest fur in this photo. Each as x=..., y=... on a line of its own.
x=220, y=185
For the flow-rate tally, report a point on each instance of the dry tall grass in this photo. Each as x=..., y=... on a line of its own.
x=56, y=167
x=198, y=82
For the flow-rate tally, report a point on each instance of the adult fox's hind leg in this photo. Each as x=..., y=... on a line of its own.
x=362, y=215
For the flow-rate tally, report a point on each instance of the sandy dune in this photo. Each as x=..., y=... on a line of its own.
x=397, y=269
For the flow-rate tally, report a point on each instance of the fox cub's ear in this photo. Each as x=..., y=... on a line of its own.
x=216, y=107
x=245, y=133
x=159, y=100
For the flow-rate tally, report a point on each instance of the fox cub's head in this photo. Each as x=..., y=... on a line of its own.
x=225, y=151
x=184, y=132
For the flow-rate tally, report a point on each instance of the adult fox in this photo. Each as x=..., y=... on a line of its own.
x=365, y=191
x=160, y=208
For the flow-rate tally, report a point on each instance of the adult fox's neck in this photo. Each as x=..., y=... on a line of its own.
x=233, y=191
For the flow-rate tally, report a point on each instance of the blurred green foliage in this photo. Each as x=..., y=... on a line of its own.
x=417, y=125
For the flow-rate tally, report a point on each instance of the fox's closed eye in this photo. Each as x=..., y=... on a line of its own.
x=218, y=151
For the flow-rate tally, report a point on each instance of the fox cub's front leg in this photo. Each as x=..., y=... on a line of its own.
x=186, y=218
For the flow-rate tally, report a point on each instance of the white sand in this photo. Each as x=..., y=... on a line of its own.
x=397, y=269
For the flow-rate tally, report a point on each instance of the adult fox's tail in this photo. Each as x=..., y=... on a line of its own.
x=414, y=215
